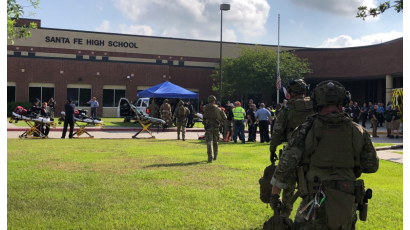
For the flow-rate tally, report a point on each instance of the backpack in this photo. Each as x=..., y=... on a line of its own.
x=181, y=111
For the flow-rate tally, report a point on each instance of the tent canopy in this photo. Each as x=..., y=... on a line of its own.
x=167, y=90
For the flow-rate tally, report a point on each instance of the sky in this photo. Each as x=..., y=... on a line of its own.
x=303, y=23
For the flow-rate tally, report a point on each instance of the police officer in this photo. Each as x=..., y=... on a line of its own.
x=329, y=152
x=213, y=116
x=181, y=114
x=166, y=113
x=153, y=109
x=290, y=116
x=238, y=125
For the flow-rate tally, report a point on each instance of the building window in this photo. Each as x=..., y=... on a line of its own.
x=80, y=96
x=42, y=93
x=11, y=93
x=111, y=97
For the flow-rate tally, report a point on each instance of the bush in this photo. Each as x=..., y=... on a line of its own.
x=12, y=105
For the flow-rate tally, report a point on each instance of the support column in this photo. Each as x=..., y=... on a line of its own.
x=389, y=87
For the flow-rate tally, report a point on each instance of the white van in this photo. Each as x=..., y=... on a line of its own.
x=141, y=105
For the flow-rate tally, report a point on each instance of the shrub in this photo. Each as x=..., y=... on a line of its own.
x=12, y=105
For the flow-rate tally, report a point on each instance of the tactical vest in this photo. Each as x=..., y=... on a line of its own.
x=238, y=113
x=298, y=109
x=181, y=112
x=211, y=116
x=165, y=108
x=329, y=150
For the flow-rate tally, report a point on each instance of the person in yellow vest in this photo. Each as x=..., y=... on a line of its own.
x=238, y=116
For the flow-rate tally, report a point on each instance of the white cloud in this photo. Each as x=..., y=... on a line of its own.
x=345, y=7
x=292, y=22
x=100, y=8
x=103, y=27
x=135, y=29
x=198, y=19
x=347, y=41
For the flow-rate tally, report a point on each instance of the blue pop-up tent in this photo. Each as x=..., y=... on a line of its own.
x=167, y=90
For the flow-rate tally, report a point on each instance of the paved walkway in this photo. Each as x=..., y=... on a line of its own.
x=389, y=155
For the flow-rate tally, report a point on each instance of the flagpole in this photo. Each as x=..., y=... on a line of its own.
x=278, y=73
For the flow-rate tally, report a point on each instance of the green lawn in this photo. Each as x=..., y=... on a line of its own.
x=156, y=184
x=384, y=144
x=399, y=152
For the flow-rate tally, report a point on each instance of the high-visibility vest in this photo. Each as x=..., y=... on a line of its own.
x=238, y=113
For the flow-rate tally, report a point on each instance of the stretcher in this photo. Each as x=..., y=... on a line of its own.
x=82, y=121
x=35, y=122
x=131, y=114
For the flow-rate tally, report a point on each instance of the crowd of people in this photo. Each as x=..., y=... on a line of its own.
x=377, y=114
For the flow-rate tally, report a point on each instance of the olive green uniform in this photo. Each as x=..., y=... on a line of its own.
x=212, y=118
x=337, y=146
x=180, y=114
x=290, y=117
x=166, y=113
x=153, y=110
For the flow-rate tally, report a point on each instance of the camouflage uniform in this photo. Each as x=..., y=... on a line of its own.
x=312, y=149
x=290, y=117
x=166, y=113
x=153, y=109
x=181, y=120
x=213, y=116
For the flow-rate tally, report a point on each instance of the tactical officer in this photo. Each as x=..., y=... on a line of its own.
x=213, y=117
x=329, y=152
x=166, y=113
x=181, y=114
x=153, y=109
x=290, y=116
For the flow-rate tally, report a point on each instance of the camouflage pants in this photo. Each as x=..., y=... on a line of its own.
x=321, y=218
x=167, y=118
x=153, y=114
x=211, y=137
x=181, y=125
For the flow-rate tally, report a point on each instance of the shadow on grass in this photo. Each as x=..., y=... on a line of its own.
x=175, y=164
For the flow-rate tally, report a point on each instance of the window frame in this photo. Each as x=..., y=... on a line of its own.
x=41, y=92
x=15, y=92
x=78, y=95
x=113, y=97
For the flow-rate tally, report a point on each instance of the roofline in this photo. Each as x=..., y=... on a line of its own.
x=297, y=48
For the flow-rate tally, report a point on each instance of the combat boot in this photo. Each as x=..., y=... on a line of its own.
x=178, y=138
x=210, y=158
x=215, y=155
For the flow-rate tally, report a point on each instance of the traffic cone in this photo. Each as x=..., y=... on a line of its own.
x=227, y=137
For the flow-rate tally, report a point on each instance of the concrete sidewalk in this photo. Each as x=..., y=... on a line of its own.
x=389, y=155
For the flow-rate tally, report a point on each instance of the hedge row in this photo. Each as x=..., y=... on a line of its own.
x=12, y=105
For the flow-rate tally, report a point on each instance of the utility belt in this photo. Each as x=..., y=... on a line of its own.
x=339, y=195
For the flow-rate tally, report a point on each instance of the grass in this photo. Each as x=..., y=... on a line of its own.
x=156, y=184
x=384, y=144
x=399, y=152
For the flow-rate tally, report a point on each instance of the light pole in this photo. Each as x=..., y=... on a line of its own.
x=223, y=7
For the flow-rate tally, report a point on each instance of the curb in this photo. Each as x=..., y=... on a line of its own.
x=389, y=147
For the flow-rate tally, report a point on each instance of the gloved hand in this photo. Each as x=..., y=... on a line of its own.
x=274, y=201
x=273, y=157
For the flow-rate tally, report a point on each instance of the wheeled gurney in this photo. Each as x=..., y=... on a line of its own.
x=35, y=122
x=81, y=116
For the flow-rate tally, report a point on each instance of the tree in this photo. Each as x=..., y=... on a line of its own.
x=363, y=12
x=14, y=12
x=255, y=71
